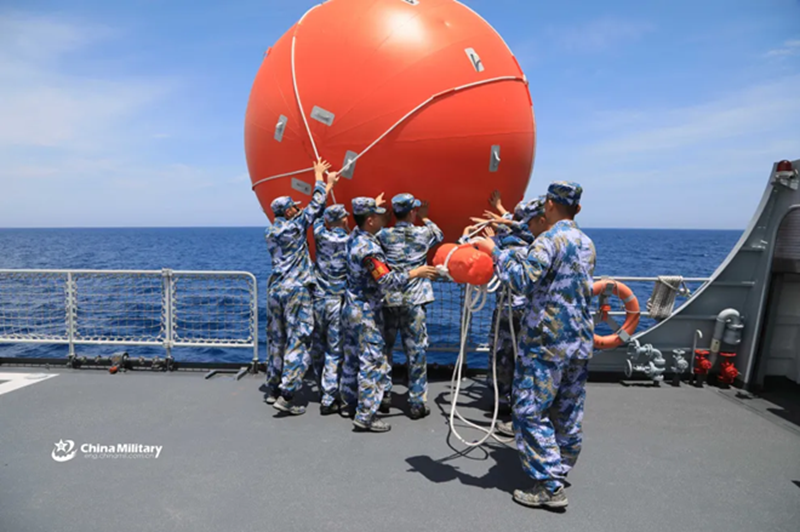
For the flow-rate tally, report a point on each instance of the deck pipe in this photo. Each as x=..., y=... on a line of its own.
x=654, y=368
x=728, y=329
x=679, y=366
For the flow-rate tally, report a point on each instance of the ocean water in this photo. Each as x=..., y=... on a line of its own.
x=620, y=252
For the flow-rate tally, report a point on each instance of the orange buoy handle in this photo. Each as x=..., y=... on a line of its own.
x=621, y=335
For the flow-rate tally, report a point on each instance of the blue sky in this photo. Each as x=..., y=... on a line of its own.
x=131, y=113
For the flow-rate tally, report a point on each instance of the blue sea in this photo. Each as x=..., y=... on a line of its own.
x=620, y=252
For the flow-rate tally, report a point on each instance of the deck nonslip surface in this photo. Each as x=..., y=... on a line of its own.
x=654, y=459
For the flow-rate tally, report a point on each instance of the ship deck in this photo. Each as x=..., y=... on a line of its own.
x=654, y=459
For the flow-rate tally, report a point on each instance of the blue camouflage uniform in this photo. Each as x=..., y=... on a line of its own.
x=290, y=318
x=406, y=247
x=331, y=271
x=518, y=236
x=369, y=279
x=556, y=342
x=524, y=212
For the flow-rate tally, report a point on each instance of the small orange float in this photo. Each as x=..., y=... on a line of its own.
x=622, y=335
x=465, y=264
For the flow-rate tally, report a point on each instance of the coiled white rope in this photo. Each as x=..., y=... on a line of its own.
x=665, y=290
x=474, y=300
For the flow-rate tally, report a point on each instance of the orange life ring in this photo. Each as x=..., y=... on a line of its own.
x=632, y=314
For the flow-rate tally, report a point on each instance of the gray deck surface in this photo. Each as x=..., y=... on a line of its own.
x=654, y=459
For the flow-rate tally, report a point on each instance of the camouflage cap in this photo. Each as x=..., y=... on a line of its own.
x=280, y=205
x=364, y=206
x=519, y=211
x=533, y=209
x=565, y=193
x=335, y=213
x=403, y=203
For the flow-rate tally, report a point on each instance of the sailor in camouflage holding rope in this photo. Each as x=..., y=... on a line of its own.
x=369, y=279
x=290, y=318
x=555, y=346
x=513, y=233
x=406, y=247
x=330, y=237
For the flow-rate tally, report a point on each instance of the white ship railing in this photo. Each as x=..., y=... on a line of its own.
x=168, y=308
x=217, y=309
x=643, y=297
x=444, y=313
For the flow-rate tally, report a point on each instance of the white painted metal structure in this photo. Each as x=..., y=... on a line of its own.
x=129, y=308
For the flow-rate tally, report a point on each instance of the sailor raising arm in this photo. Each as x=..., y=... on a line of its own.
x=330, y=237
x=406, y=247
x=369, y=279
x=290, y=318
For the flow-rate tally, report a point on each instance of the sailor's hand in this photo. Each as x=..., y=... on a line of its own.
x=424, y=272
x=423, y=210
x=495, y=221
x=495, y=202
x=488, y=231
x=468, y=230
x=379, y=201
x=492, y=216
x=486, y=245
x=333, y=178
x=320, y=167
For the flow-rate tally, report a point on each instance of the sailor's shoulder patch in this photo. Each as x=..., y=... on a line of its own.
x=377, y=268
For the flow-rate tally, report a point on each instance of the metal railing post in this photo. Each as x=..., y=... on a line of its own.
x=254, y=322
x=167, y=315
x=71, y=310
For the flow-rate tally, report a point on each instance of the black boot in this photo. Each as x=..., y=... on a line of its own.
x=419, y=411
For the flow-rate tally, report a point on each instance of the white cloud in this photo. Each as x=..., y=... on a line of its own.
x=699, y=166
x=600, y=34
x=790, y=47
x=759, y=110
x=75, y=139
x=121, y=193
x=25, y=37
x=43, y=104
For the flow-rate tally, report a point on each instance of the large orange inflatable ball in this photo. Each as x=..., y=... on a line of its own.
x=419, y=96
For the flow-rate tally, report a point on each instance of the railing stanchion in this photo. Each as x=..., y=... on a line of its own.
x=71, y=314
x=169, y=308
x=254, y=321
